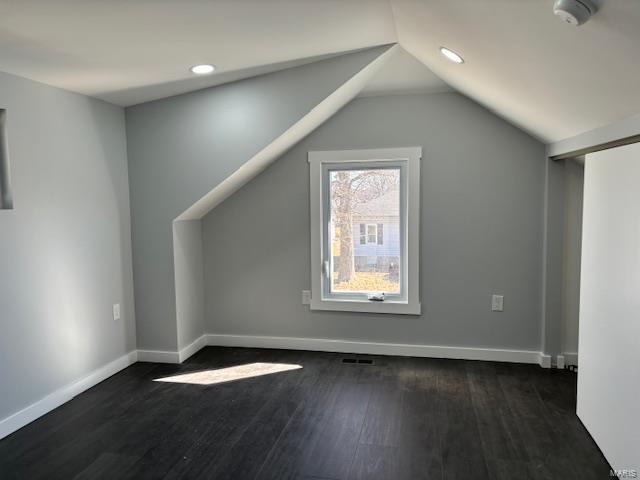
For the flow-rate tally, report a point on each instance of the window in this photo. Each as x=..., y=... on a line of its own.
x=364, y=230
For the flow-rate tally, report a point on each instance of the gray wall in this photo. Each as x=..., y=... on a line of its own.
x=553, y=254
x=561, y=266
x=65, y=249
x=574, y=181
x=189, y=280
x=181, y=147
x=481, y=231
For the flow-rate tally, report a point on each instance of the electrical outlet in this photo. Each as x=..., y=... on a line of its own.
x=116, y=311
x=306, y=297
x=497, y=303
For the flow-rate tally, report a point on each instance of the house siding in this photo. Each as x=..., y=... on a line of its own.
x=390, y=243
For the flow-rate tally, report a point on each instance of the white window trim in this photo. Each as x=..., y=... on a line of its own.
x=410, y=156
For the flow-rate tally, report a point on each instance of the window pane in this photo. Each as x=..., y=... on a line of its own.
x=365, y=230
x=371, y=234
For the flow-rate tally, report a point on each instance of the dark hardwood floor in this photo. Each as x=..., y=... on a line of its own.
x=400, y=418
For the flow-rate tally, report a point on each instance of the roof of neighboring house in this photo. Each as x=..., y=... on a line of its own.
x=387, y=205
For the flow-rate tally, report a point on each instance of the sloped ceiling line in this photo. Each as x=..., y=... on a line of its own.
x=549, y=79
x=312, y=120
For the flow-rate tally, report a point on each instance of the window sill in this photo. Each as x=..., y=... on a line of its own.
x=366, y=306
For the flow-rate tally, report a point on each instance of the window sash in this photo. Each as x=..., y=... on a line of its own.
x=327, y=258
x=372, y=233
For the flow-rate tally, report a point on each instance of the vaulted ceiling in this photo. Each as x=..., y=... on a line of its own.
x=128, y=52
x=548, y=78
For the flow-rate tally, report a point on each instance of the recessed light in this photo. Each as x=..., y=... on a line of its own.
x=202, y=69
x=451, y=55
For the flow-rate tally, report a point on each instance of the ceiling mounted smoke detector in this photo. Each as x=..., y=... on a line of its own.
x=574, y=12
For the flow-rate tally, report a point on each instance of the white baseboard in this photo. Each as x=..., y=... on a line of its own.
x=344, y=346
x=158, y=356
x=561, y=361
x=192, y=348
x=371, y=348
x=64, y=394
x=570, y=358
x=544, y=360
x=168, y=356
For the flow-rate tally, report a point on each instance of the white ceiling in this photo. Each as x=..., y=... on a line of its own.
x=549, y=78
x=552, y=80
x=128, y=52
x=403, y=73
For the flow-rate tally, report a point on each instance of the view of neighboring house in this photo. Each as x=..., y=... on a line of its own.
x=376, y=242
x=365, y=230
x=376, y=234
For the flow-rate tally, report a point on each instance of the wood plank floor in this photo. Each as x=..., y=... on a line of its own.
x=400, y=418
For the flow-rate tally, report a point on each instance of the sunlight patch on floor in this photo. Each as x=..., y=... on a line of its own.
x=229, y=374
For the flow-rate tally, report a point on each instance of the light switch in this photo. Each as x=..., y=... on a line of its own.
x=116, y=311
